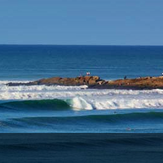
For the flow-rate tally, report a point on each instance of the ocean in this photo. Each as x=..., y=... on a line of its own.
x=76, y=109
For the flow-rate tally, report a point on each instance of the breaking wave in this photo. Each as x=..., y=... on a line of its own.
x=77, y=98
x=79, y=103
x=33, y=105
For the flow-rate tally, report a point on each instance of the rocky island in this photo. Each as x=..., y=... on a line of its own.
x=95, y=82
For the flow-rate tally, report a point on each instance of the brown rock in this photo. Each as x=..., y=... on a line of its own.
x=96, y=82
x=81, y=80
x=95, y=78
x=54, y=80
x=87, y=78
x=92, y=82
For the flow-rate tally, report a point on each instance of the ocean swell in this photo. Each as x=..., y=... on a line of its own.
x=88, y=123
x=77, y=98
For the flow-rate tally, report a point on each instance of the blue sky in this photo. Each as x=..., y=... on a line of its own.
x=81, y=22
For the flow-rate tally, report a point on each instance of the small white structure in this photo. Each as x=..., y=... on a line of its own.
x=88, y=73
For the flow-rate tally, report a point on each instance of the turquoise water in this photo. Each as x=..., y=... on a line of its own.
x=77, y=109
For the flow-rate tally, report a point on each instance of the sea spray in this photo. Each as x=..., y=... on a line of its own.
x=79, y=103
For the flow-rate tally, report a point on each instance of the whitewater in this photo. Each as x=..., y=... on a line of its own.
x=82, y=98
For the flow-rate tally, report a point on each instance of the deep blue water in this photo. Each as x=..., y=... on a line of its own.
x=74, y=109
x=109, y=62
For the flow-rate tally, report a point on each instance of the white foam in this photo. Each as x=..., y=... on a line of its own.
x=12, y=81
x=83, y=98
x=79, y=103
x=129, y=104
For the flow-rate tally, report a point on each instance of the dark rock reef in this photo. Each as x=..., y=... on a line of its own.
x=97, y=83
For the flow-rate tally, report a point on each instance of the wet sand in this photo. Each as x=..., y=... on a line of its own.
x=79, y=148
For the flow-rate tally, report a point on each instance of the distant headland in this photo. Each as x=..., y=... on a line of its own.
x=95, y=82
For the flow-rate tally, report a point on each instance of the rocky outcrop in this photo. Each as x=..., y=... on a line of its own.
x=84, y=80
x=96, y=82
x=137, y=83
